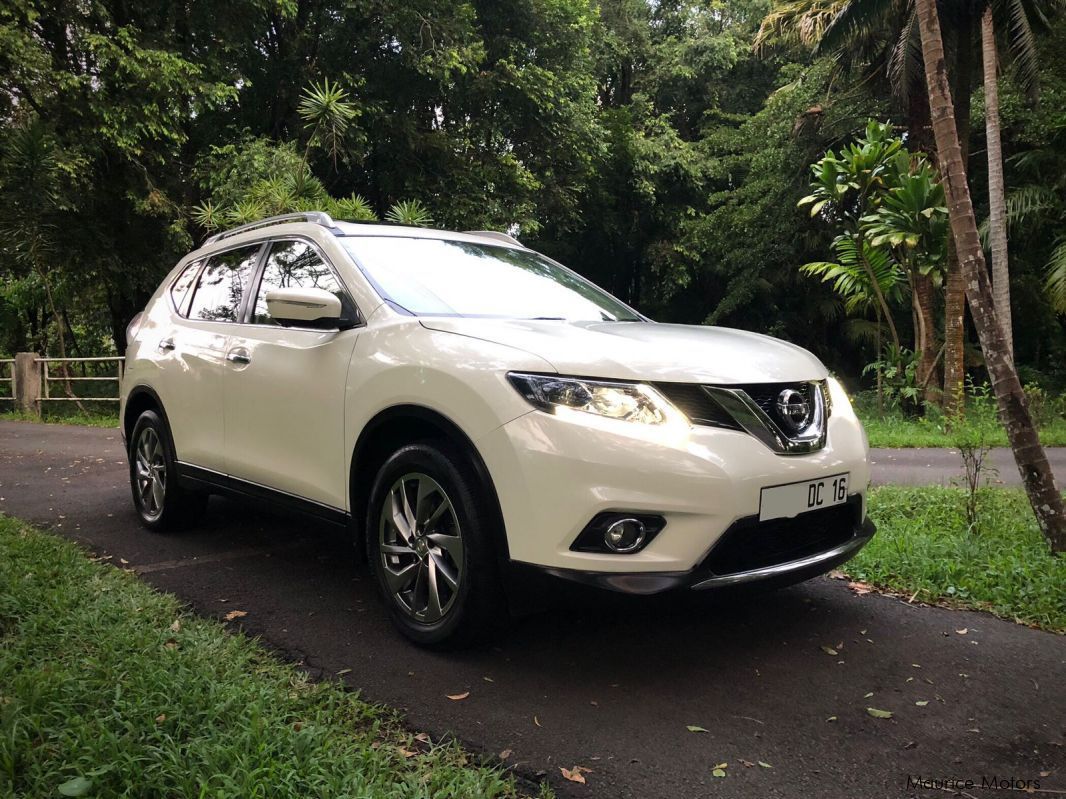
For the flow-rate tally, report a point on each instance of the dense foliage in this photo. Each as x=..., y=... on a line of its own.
x=649, y=145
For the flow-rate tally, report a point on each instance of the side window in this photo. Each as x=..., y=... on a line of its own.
x=222, y=283
x=295, y=264
x=180, y=288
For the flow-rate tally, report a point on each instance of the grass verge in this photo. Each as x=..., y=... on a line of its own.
x=91, y=419
x=108, y=688
x=923, y=547
x=896, y=430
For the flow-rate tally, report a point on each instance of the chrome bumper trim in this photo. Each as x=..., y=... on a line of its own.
x=838, y=553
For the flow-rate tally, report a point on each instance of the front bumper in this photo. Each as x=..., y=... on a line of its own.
x=554, y=473
x=807, y=546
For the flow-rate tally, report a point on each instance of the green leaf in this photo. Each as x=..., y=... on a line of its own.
x=879, y=714
x=79, y=786
x=764, y=764
x=922, y=703
x=694, y=728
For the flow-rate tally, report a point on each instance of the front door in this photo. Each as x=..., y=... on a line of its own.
x=284, y=387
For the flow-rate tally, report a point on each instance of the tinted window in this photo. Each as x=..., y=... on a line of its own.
x=179, y=289
x=294, y=264
x=221, y=286
x=458, y=278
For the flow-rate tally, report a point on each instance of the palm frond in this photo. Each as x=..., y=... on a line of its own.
x=1056, y=277
x=855, y=21
x=1021, y=42
x=1031, y=202
x=906, y=71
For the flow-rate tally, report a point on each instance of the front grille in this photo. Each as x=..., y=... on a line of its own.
x=750, y=544
x=765, y=396
x=697, y=405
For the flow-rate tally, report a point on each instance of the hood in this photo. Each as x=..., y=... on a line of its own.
x=647, y=351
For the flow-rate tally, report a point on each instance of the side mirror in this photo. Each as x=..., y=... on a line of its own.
x=304, y=307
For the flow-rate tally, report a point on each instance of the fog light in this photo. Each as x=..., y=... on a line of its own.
x=624, y=535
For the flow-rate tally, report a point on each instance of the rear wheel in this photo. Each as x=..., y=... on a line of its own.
x=160, y=502
x=428, y=542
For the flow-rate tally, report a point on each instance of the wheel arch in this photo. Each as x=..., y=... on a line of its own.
x=140, y=399
x=396, y=426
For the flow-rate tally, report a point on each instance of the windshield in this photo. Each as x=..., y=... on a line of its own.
x=434, y=277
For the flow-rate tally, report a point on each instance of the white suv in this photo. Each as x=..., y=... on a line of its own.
x=475, y=413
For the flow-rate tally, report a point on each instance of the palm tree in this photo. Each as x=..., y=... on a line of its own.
x=1028, y=453
x=997, y=200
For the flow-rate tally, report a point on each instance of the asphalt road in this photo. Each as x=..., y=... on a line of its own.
x=944, y=466
x=604, y=682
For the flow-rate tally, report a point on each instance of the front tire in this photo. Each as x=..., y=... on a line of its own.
x=428, y=541
x=161, y=503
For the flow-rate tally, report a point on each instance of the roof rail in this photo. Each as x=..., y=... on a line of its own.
x=318, y=217
x=494, y=234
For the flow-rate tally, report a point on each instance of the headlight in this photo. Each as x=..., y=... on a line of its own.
x=630, y=402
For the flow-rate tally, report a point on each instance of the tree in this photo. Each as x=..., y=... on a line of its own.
x=885, y=33
x=1032, y=461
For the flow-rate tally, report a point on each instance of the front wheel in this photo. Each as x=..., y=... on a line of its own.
x=160, y=502
x=428, y=542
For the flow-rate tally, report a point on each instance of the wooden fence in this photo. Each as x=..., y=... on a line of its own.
x=33, y=380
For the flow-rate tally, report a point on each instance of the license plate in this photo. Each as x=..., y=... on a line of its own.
x=792, y=499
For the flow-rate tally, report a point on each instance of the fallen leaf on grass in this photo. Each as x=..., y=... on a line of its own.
x=170, y=643
x=860, y=588
x=694, y=728
x=79, y=786
x=160, y=718
x=719, y=770
x=879, y=714
x=423, y=737
x=175, y=626
x=575, y=774
x=235, y=614
x=406, y=752
x=458, y=697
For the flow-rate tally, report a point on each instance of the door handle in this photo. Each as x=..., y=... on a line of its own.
x=166, y=344
x=239, y=357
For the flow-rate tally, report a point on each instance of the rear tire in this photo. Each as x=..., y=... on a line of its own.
x=161, y=503
x=428, y=536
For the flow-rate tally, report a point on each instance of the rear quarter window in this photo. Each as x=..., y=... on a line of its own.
x=181, y=288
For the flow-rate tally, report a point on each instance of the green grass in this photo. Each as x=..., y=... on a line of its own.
x=923, y=547
x=896, y=430
x=108, y=688
x=93, y=419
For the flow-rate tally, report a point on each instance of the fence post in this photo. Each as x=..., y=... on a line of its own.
x=27, y=382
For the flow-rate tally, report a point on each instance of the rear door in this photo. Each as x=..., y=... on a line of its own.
x=284, y=386
x=193, y=352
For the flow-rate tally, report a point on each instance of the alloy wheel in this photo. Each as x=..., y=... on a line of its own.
x=151, y=467
x=421, y=548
